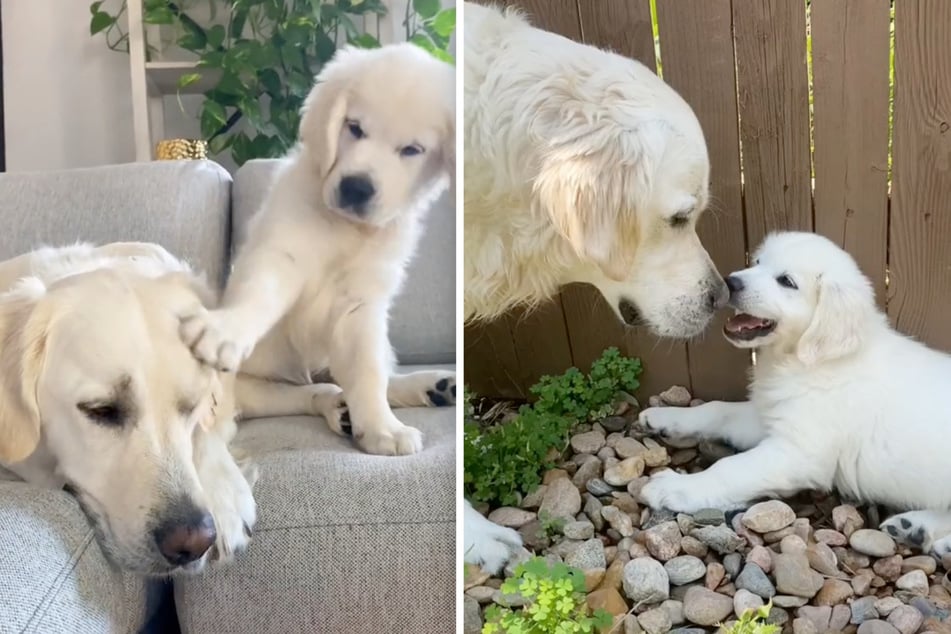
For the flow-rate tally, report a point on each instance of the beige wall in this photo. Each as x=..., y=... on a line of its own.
x=66, y=95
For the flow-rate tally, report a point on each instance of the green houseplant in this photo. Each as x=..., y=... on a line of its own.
x=267, y=53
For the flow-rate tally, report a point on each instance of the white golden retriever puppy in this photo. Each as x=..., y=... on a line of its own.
x=580, y=166
x=822, y=410
x=325, y=256
x=99, y=394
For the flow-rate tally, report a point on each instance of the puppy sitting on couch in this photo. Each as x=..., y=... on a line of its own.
x=838, y=399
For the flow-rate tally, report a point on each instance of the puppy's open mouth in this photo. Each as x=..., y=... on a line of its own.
x=746, y=327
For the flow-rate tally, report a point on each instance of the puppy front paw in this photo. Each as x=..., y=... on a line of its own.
x=394, y=439
x=492, y=547
x=327, y=402
x=684, y=493
x=212, y=341
x=666, y=420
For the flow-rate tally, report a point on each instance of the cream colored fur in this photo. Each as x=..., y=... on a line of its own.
x=314, y=281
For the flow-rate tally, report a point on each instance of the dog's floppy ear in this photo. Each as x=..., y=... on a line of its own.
x=324, y=111
x=23, y=334
x=838, y=323
x=593, y=189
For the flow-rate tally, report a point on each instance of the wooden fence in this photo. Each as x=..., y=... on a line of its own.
x=877, y=183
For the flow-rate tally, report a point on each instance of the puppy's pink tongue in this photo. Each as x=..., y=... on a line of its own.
x=741, y=322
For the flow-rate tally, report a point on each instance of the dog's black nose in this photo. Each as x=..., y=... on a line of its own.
x=355, y=191
x=734, y=283
x=186, y=537
x=719, y=296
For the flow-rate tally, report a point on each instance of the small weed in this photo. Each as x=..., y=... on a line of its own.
x=504, y=462
x=551, y=526
x=555, y=596
x=753, y=622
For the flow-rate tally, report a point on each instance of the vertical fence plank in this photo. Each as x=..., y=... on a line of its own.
x=919, y=257
x=621, y=26
x=491, y=360
x=850, y=115
x=690, y=32
x=773, y=89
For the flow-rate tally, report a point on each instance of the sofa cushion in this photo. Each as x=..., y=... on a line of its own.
x=422, y=322
x=181, y=205
x=343, y=538
x=53, y=576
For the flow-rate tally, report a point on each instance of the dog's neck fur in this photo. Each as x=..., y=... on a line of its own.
x=512, y=260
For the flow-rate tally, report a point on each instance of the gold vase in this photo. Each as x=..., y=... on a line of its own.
x=181, y=149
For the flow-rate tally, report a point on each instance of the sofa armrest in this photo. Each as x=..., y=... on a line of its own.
x=182, y=205
x=423, y=319
x=53, y=576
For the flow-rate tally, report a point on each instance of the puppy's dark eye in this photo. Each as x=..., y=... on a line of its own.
x=411, y=150
x=785, y=280
x=107, y=414
x=355, y=130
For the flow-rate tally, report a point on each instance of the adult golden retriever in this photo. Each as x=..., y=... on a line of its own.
x=98, y=393
x=326, y=255
x=580, y=166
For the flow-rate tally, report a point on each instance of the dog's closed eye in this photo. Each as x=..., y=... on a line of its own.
x=355, y=130
x=108, y=414
x=786, y=281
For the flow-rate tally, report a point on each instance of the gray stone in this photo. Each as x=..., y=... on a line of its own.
x=719, y=538
x=753, y=578
x=598, y=487
x=876, y=627
x=915, y=581
x=872, y=542
x=705, y=607
x=619, y=521
x=819, y=616
x=655, y=621
x=562, y=500
x=628, y=447
x=592, y=508
x=631, y=626
x=579, y=530
x=841, y=615
x=803, y=626
x=732, y=563
x=645, y=581
x=588, y=555
x=684, y=569
x=587, y=470
x=789, y=601
x=588, y=442
x=676, y=396
x=709, y=517
x=745, y=600
x=471, y=616
x=663, y=541
x=624, y=472
x=887, y=605
x=675, y=610
x=769, y=516
x=511, y=517
x=794, y=576
x=906, y=619
x=863, y=609
x=614, y=423
x=847, y=519
x=822, y=558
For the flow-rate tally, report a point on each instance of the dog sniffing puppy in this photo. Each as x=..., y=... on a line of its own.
x=580, y=166
x=326, y=255
x=838, y=399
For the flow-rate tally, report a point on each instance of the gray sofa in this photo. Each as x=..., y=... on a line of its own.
x=345, y=542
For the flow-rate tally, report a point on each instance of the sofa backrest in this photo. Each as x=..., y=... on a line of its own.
x=422, y=322
x=182, y=205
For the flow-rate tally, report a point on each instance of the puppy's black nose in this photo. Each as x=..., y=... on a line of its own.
x=187, y=537
x=355, y=191
x=734, y=283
